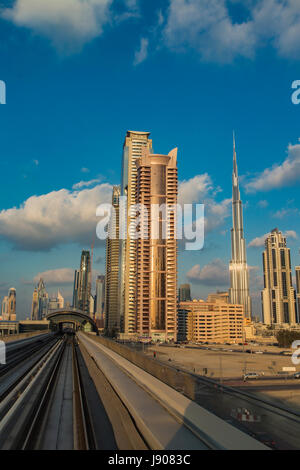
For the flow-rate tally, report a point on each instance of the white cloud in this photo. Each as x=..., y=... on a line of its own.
x=200, y=190
x=291, y=234
x=86, y=184
x=194, y=189
x=263, y=204
x=260, y=241
x=207, y=27
x=142, y=53
x=59, y=217
x=286, y=212
x=69, y=24
x=279, y=175
x=56, y=277
x=214, y=274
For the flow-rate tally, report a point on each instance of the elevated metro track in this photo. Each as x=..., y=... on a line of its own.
x=70, y=392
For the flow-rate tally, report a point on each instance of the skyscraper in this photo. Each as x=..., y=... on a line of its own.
x=40, y=302
x=43, y=300
x=35, y=305
x=4, y=310
x=84, y=282
x=184, y=293
x=12, y=298
x=239, y=275
x=111, y=308
x=298, y=291
x=76, y=288
x=156, y=254
x=134, y=143
x=100, y=298
x=278, y=296
x=56, y=303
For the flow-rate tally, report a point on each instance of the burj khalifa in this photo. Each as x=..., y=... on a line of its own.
x=239, y=274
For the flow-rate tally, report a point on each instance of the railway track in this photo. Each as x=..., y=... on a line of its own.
x=21, y=362
x=47, y=408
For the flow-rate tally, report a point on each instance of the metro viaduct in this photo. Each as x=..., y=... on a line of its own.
x=79, y=319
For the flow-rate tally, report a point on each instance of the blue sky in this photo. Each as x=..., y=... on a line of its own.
x=79, y=74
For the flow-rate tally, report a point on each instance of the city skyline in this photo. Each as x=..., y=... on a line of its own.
x=64, y=168
x=257, y=242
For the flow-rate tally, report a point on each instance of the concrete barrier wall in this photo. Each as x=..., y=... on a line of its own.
x=10, y=338
x=178, y=379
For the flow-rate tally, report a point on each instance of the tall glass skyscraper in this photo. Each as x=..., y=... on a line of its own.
x=135, y=143
x=100, y=298
x=84, y=286
x=239, y=275
x=184, y=293
x=111, y=307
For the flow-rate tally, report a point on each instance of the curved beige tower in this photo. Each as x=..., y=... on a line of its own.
x=156, y=258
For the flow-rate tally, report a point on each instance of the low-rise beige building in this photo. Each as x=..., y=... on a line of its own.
x=212, y=321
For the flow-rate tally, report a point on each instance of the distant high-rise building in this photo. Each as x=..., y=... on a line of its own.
x=155, y=271
x=134, y=144
x=4, y=310
x=239, y=275
x=43, y=299
x=111, y=304
x=298, y=291
x=92, y=306
x=100, y=298
x=184, y=294
x=40, y=302
x=56, y=303
x=35, y=305
x=12, y=297
x=84, y=287
x=219, y=297
x=76, y=288
x=278, y=296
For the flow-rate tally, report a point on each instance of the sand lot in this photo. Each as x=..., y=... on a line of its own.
x=230, y=366
x=221, y=363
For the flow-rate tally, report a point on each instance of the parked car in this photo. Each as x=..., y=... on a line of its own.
x=250, y=376
x=258, y=352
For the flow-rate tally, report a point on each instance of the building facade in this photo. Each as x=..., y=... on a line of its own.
x=156, y=247
x=84, y=282
x=12, y=299
x=135, y=143
x=100, y=299
x=278, y=296
x=4, y=308
x=221, y=297
x=111, y=303
x=76, y=289
x=184, y=293
x=35, y=305
x=239, y=275
x=298, y=292
x=212, y=322
x=56, y=303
